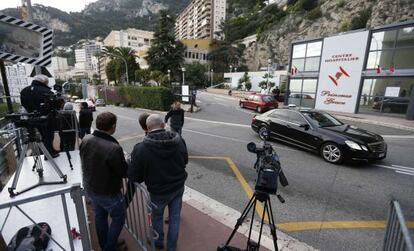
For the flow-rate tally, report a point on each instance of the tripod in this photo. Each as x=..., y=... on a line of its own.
x=34, y=142
x=251, y=245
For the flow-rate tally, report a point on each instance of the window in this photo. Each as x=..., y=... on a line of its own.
x=394, y=47
x=306, y=57
x=280, y=114
x=303, y=92
x=296, y=118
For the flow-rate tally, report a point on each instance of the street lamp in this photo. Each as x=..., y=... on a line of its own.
x=169, y=76
x=183, y=70
x=211, y=77
x=269, y=62
x=231, y=68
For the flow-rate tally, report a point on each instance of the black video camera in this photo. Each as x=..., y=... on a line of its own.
x=268, y=168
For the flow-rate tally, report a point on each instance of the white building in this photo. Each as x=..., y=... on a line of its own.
x=232, y=78
x=201, y=19
x=61, y=69
x=139, y=40
x=84, y=57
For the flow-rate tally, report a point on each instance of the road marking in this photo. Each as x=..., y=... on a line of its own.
x=317, y=225
x=218, y=122
x=131, y=137
x=298, y=226
x=238, y=140
x=398, y=169
x=246, y=187
x=398, y=136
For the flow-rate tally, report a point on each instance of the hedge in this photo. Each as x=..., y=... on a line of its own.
x=153, y=98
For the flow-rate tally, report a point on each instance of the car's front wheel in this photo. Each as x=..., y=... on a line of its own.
x=332, y=153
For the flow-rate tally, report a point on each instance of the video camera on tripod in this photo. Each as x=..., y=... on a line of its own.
x=269, y=174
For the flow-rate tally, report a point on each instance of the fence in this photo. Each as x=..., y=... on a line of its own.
x=397, y=235
x=138, y=216
x=76, y=194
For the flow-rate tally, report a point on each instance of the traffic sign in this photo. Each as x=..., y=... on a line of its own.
x=25, y=42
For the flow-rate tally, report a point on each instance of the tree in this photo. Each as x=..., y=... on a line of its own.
x=166, y=53
x=143, y=76
x=266, y=83
x=196, y=74
x=160, y=78
x=245, y=80
x=111, y=71
x=120, y=55
x=224, y=55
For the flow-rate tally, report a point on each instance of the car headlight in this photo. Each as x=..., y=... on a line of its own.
x=364, y=148
x=353, y=145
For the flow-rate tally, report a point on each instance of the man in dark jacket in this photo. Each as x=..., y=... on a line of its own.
x=104, y=166
x=160, y=162
x=33, y=98
x=85, y=120
x=176, y=117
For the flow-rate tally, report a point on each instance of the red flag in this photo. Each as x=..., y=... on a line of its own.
x=392, y=68
x=378, y=69
x=296, y=70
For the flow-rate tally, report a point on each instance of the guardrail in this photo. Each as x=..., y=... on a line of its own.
x=397, y=235
x=138, y=215
x=76, y=193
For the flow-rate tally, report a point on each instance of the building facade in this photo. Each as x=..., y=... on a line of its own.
x=84, y=55
x=139, y=40
x=278, y=77
x=60, y=67
x=201, y=19
x=366, y=71
x=197, y=50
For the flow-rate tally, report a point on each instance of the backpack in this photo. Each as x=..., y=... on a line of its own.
x=31, y=238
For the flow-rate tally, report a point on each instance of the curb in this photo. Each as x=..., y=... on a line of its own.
x=372, y=122
x=229, y=216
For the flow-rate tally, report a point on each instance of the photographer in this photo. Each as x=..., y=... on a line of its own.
x=33, y=99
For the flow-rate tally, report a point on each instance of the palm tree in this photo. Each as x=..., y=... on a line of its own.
x=128, y=57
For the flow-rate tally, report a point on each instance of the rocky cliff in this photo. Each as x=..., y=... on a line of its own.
x=334, y=17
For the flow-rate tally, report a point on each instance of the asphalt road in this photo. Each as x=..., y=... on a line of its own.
x=319, y=194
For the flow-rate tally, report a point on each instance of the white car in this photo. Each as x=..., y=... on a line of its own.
x=91, y=105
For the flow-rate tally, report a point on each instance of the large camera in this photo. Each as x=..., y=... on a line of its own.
x=268, y=168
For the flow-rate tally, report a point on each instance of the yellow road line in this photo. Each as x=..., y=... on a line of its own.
x=298, y=226
x=316, y=225
x=247, y=189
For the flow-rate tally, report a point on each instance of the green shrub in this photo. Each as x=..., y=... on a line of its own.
x=306, y=5
x=344, y=27
x=314, y=14
x=360, y=21
x=340, y=4
x=153, y=98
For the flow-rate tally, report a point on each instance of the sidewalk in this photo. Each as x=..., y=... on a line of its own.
x=206, y=224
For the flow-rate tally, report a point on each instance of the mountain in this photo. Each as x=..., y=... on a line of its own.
x=100, y=17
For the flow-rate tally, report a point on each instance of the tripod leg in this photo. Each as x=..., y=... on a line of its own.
x=69, y=158
x=251, y=223
x=51, y=161
x=272, y=224
x=242, y=218
x=37, y=161
x=265, y=210
x=18, y=170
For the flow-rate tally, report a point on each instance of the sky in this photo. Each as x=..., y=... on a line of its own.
x=65, y=5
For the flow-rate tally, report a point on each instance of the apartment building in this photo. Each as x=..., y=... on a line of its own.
x=139, y=40
x=84, y=55
x=201, y=19
x=61, y=68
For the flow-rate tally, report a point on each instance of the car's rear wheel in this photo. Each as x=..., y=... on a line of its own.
x=259, y=109
x=332, y=153
x=261, y=130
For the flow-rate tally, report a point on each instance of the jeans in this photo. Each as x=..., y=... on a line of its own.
x=174, y=202
x=113, y=206
x=177, y=129
x=84, y=131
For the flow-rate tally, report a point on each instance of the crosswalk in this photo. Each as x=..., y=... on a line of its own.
x=399, y=169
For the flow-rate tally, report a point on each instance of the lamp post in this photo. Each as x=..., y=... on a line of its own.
x=231, y=68
x=169, y=76
x=211, y=77
x=269, y=61
x=183, y=70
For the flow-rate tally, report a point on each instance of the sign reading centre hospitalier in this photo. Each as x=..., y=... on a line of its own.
x=25, y=42
x=340, y=73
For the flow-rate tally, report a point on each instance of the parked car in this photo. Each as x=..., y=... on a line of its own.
x=100, y=102
x=259, y=102
x=321, y=133
x=91, y=105
x=397, y=105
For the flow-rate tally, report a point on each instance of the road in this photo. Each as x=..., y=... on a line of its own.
x=330, y=207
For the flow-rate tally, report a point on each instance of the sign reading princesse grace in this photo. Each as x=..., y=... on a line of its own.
x=340, y=72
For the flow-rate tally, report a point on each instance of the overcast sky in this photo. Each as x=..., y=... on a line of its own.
x=65, y=5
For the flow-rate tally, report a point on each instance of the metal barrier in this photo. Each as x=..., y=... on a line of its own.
x=397, y=235
x=76, y=193
x=138, y=215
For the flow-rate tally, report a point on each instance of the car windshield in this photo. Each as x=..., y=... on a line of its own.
x=322, y=119
x=268, y=99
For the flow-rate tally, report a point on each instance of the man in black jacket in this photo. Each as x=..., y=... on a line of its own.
x=160, y=162
x=33, y=98
x=104, y=166
x=85, y=120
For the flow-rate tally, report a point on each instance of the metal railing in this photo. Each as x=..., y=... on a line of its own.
x=138, y=215
x=76, y=193
x=397, y=235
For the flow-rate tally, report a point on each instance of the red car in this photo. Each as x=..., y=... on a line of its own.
x=259, y=102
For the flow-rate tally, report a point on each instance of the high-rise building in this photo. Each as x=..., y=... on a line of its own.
x=84, y=55
x=61, y=68
x=201, y=19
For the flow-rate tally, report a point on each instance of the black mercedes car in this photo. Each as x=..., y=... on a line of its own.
x=322, y=133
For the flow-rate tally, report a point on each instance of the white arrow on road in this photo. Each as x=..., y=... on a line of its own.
x=399, y=169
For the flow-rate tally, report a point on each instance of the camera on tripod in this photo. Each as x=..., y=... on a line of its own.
x=268, y=168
